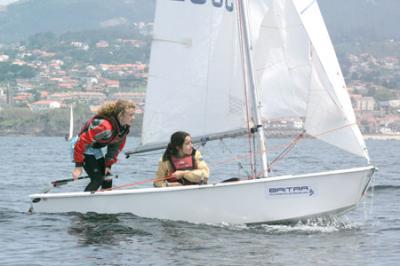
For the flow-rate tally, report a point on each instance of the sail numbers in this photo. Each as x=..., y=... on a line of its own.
x=228, y=4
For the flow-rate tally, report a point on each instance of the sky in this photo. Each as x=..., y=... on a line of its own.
x=5, y=2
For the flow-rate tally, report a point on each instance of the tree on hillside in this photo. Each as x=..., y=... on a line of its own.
x=10, y=72
x=43, y=40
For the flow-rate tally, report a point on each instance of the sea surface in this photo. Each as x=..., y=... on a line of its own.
x=368, y=235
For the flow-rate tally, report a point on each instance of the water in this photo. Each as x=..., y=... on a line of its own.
x=369, y=235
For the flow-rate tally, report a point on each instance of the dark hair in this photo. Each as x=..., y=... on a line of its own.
x=177, y=140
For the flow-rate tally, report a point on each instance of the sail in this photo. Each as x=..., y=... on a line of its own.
x=71, y=122
x=195, y=74
x=297, y=72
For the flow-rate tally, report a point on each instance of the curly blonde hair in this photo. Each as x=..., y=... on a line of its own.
x=114, y=108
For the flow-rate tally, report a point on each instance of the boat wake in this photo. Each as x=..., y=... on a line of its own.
x=320, y=225
x=310, y=226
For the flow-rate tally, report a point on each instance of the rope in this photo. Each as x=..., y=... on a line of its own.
x=292, y=144
x=331, y=130
x=285, y=151
x=235, y=158
x=138, y=183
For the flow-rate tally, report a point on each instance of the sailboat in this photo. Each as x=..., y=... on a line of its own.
x=223, y=68
x=71, y=124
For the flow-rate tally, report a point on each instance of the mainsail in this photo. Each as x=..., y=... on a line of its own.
x=196, y=75
x=196, y=78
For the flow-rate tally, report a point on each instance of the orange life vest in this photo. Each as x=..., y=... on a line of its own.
x=185, y=163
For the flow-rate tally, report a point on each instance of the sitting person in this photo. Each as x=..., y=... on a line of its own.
x=181, y=164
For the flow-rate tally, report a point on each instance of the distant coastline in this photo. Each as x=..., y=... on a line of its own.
x=293, y=133
x=382, y=136
x=136, y=133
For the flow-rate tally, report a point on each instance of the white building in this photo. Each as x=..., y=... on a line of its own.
x=44, y=105
x=4, y=58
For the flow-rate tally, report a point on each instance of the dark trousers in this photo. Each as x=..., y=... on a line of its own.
x=95, y=168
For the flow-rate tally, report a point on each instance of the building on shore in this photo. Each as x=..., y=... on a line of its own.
x=44, y=105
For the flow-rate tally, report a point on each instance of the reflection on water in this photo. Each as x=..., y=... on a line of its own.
x=92, y=228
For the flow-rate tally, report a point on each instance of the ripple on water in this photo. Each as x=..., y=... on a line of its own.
x=95, y=228
x=7, y=215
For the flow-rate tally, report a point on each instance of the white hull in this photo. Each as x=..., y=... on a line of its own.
x=268, y=200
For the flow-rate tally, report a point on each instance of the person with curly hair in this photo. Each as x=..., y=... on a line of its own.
x=108, y=128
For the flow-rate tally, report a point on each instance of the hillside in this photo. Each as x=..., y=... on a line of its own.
x=25, y=18
x=355, y=20
x=347, y=20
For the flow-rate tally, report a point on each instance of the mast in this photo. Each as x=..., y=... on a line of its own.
x=256, y=103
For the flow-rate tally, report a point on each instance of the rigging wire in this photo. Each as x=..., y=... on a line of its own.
x=236, y=159
x=246, y=97
x=286, y=150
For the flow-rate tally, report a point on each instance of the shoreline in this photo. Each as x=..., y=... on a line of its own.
x=269, y=134
x=381, y=137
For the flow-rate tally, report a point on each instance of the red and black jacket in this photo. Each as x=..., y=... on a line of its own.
x=99, y=132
